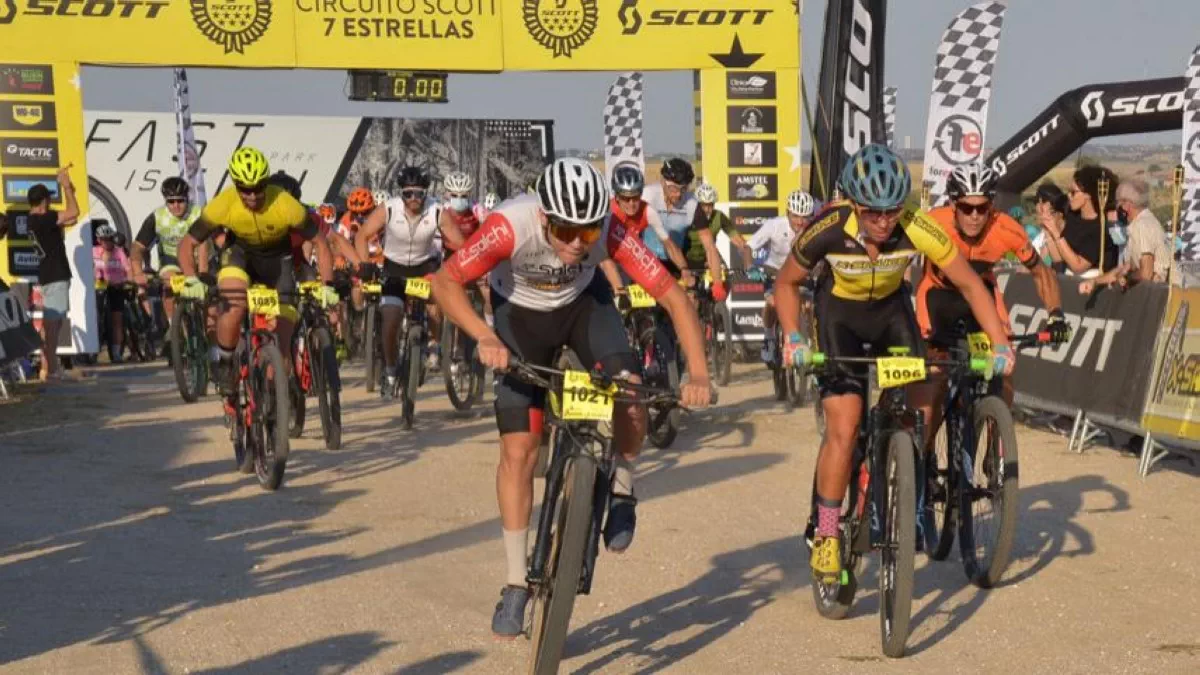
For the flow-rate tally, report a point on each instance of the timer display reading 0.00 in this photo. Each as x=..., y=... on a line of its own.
x=398, y=86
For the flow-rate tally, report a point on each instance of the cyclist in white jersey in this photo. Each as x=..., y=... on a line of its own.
x=542, y=251
x=776, y=236
x=411, y=222
x=676, y=207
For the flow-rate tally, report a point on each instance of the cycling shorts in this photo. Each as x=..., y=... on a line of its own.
x=945, y=312
x=116, y=296
x=395, y=276
x=845, y=328
x=271, y=269
x=591, y=326
x=168, y=264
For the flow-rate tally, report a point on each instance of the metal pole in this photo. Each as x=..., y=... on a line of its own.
x=1176, y=207
x=1102, y=193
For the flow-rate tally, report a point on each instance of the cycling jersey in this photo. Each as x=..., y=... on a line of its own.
x=408, y=242
x=776, y=235
x=835, y=237
x=529, y=273
x=637, y=223
x=466, y=222
x=168, y=231
x=262, y=232
x=348, y=226
x=677, y=219
x=717, y=223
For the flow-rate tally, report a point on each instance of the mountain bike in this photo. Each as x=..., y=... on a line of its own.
x=576, y=496
x=257, y=408
x=315, y=367
x=461, y=370
x=411, y=345
x=188, y=336
x=652, y=337
x=718, y=329
x=880, y=512
x=794, y=385
x=142, y=336
x=971, y=502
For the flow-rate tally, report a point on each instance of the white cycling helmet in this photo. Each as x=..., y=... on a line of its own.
x=800, y=203
x=491, y=201
x=458, y=182
x=971, y=180
x=706, y=193
x=105, y=231
x=573, y=191
x=380, y=196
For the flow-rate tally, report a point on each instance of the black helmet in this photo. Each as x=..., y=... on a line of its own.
x=289, y=184
x=175, y=187
x=678, y=171
x=412, y=176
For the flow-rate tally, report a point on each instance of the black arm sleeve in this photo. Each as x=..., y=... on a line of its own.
x=149, y=232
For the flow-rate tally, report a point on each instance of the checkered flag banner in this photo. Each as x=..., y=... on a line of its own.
x=623, y=123
x=962, y=88
x=889, y=116
x=185, y=139
x=1189, y=212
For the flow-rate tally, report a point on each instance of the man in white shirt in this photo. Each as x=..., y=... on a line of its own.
x=776, y=235
x=1147, y=253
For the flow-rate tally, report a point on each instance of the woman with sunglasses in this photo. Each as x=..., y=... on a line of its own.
x=544, y=249
x=167, y=226
x=1079, y=241
x=868, y=242
x=409, y=224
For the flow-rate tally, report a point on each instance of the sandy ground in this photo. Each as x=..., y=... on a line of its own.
x=128, y=545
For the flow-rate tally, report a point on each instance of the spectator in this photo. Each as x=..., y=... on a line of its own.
x=54, y=270
x=1051, y=208
x=1080, y=241
x=112, y=266
x=1147, y=253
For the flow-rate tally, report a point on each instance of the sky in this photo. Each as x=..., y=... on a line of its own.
x=1047, y=48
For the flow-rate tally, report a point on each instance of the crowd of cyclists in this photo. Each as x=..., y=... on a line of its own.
x=519, y=278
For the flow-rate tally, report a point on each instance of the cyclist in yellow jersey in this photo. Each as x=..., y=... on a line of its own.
x=260, y=219
x=868, y=242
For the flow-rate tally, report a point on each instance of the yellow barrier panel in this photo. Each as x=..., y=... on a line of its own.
x=1173, y=403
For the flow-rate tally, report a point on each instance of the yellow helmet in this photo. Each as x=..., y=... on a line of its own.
x=248, y=166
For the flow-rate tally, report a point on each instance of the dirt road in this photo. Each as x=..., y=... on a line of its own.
x=128, y=545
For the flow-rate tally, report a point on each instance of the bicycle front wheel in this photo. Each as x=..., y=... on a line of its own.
x=939, y=508
x=553, y=602
x=722, y=344
x=371, y=342
x=269, y=433
x=458, y=367
x=327, y=387
x=189, y=353
x=988, y=489
x=900, y=543
x=413, y=381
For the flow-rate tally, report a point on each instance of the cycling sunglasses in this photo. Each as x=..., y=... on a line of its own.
x=251, y=189
x=177, y=200
x=412, y=194
x=876, y=214
x=973, y=209
x=568, y=232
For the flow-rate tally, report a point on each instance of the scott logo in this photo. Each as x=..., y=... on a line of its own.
x=856, y=108
x=631, y=19
x=125, y=9
x=1000, y=164
x=1093, y=110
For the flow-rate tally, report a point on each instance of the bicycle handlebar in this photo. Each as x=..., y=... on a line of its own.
x=627, y=391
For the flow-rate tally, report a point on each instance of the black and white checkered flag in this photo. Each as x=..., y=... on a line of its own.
x=1189, y=212
x=623, y=123
x=889, y=116
x=962, y=88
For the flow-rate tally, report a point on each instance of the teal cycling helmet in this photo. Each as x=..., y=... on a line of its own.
x=875, y=177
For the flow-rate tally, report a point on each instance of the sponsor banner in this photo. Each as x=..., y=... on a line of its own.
x=962, y=88
x=636, y=34
x=23, y=260
x=750, y=119
x=17, y=335
x=18, y=224
x=419, y=34
x=27, y=116
x=747, y=323
x=29, y=153
x=1189, y=212
x=743, y=291
x=753, y=187
x=256, y=33
x=1173, y=403
x=889, y=116
x=16, y=187
x=850, y=87
x=185, y=140
x=750, y=85
x=26, y=80
x=1106, y=367
x=748, y=220
x=1079, y=115
x=743, y=154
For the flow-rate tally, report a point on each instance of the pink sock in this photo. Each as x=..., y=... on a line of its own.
x=827, y=520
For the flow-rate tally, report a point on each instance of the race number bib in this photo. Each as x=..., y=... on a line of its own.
x=177, y=283
x=310, y=288
x=897, y=371
x=639, y=298
x=263, y=301
x=583, y=400
x=418, y=288
x=372, y=287
x=101, y=285
x=979, y=344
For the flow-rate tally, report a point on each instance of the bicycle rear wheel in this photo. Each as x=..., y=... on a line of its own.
x=327, y=386
x=189, y=353
x=458, y=367
x=269, y=382
x=554, y=601
x=988, y=493
x=663, y=434
x=897, y=555
x=939, y=509
x=722, y=344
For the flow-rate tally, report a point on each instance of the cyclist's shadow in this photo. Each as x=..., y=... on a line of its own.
x=1046, y=531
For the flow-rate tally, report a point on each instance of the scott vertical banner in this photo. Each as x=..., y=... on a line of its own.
x=962, y=88
x=623, y=123
x=850, y=94
x=889, y=117
x=1189, y=213
x=185, y=139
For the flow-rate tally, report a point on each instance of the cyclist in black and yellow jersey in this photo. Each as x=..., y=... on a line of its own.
x=868, y=241
x=260, y=218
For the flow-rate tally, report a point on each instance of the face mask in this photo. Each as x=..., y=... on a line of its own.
x=1116, y=234
x=459, y=204
x=1122, y=214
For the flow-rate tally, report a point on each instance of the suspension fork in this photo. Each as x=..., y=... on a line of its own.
x=553, y=489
